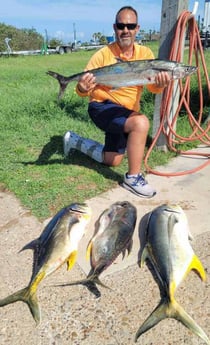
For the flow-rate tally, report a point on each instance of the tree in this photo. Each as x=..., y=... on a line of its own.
x=20, y=39
x=54, y=42
x=103, y=40
x=96, y=36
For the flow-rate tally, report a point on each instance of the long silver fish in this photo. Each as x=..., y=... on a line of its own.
x=128, y=73
x=57, y=244
x=168, y=250
x=113, y=235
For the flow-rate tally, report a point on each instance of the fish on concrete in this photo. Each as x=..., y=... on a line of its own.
x=58, y=244
x=128, y=73
x=168, y=250
x=113, y=236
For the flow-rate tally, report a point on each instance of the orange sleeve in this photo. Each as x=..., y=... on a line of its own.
x=81, y=94
x=154, y=89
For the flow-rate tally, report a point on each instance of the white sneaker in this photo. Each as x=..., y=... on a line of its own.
x=138, y=185
x=70, y=140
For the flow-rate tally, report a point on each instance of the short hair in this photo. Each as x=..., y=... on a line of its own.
x=130, y=8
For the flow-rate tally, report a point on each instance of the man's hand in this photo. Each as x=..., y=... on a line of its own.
x=86, y=82
x=162, y=79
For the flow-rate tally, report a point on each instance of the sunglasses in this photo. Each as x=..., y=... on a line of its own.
x=122, y=26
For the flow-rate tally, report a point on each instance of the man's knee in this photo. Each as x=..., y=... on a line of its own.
x=137, y=122
x=142, y=122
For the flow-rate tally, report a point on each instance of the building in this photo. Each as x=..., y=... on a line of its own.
x=206, y=21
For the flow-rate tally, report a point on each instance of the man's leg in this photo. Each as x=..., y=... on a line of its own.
x=137, y=127
x=87, y=146
x=91, y=148
x=113, y=159
x=124, y=130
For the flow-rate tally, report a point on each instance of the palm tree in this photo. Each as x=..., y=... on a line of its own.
x=96, y=36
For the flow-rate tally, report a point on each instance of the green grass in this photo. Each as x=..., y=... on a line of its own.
x=32, y=125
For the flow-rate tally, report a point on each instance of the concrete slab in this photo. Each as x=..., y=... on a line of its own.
x=12, y=210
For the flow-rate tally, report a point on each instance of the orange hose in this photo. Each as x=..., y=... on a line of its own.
x=198, y=133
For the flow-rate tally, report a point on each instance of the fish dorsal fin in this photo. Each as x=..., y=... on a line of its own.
x=89, y=250
x=197, y=266
x=71, y=260
x=33, y=245
x=123, y=253
x=144, y=256
x=130, y=246
x=172, y=220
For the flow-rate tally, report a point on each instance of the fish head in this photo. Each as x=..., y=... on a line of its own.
x=118, y=211
x=175, y=208
x=182, y=71
x=73, y=225
x=181, y=227
x=175, y=217
x=114, y=234
x=80, y=209
x=161, y=226
x=123, y=210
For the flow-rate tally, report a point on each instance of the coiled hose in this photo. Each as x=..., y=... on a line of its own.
x=185, y=20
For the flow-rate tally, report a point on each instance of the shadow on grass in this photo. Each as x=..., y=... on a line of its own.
x=55, y=146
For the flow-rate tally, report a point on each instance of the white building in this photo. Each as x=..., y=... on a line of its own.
x=206, y=21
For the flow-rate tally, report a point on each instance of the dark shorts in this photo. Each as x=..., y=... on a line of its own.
x=110, y=118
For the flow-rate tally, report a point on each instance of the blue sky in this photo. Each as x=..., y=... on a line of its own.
x=61, y=17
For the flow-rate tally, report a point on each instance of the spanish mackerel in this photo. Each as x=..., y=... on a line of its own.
x=128, y=73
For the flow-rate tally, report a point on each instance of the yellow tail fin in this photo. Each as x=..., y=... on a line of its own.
x=167, y=309
x=27, y=297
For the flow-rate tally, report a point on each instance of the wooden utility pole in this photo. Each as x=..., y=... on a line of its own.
x=171, y=9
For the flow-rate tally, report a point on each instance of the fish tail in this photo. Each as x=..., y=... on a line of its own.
x=27, y=297
x=91, y=286
x=90, y=282
x=167, y=309
x=181, y=315
x=96, y=280
x=158, y=314
x=63, y=82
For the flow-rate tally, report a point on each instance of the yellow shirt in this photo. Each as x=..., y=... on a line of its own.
x=128, y=96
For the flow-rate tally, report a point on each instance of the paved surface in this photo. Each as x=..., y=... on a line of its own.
x=72, y=315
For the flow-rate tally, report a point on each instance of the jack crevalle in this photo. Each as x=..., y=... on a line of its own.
x=171, y=256
x=113, y=235
x=57, y=244
x=128, y=73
